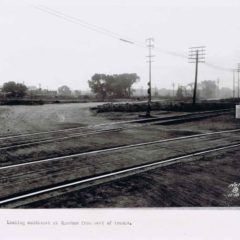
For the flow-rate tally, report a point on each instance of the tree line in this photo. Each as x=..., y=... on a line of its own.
x=102, y=85
x=206, y=89
x=113, y=86
x=13, y=89
x=105, y=86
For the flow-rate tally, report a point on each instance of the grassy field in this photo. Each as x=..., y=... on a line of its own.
x=19, y=119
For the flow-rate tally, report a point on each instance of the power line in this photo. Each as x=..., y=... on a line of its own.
x=115, y=35
x=218, y=67
x=101, y=30
x=78, y=21
x=124, y=40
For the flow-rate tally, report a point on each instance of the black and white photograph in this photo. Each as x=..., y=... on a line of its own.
x=122, y=106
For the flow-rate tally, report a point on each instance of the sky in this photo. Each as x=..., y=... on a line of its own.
x=39, y=47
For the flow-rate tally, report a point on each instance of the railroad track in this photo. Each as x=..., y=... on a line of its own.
x=209, y=140
x=114, y=149
x=23, y=140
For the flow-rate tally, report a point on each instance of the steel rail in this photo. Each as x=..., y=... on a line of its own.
x=48, y=140
x=70, y=129
x=62, y=138
x=117, y=148
x=104, y=124
x=144, y=167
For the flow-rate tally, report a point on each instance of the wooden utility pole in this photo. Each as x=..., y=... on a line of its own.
x=196, y=55
x=195, y=82
x=233, y=83
x=173, y=85
x=218, y=88
x=238, y=70
x=150, y=56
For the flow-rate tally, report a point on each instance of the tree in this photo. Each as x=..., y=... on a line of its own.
x=98, y=84
x=64, y=90
x=13, y=89
x=113, y=86
x=180, y=93
x=226, y=92
x=208, y=89
x=77, y=93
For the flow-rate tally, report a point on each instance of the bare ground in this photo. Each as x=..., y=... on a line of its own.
x=189, y=184
x=204, y=183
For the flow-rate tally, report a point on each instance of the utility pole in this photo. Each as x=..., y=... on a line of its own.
x=156, y=91
x=233, y=83
x=150, y=56
x=40, y=87
x=218, y=87
x=196, y=55
x=238, y=70
x=173, y=85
